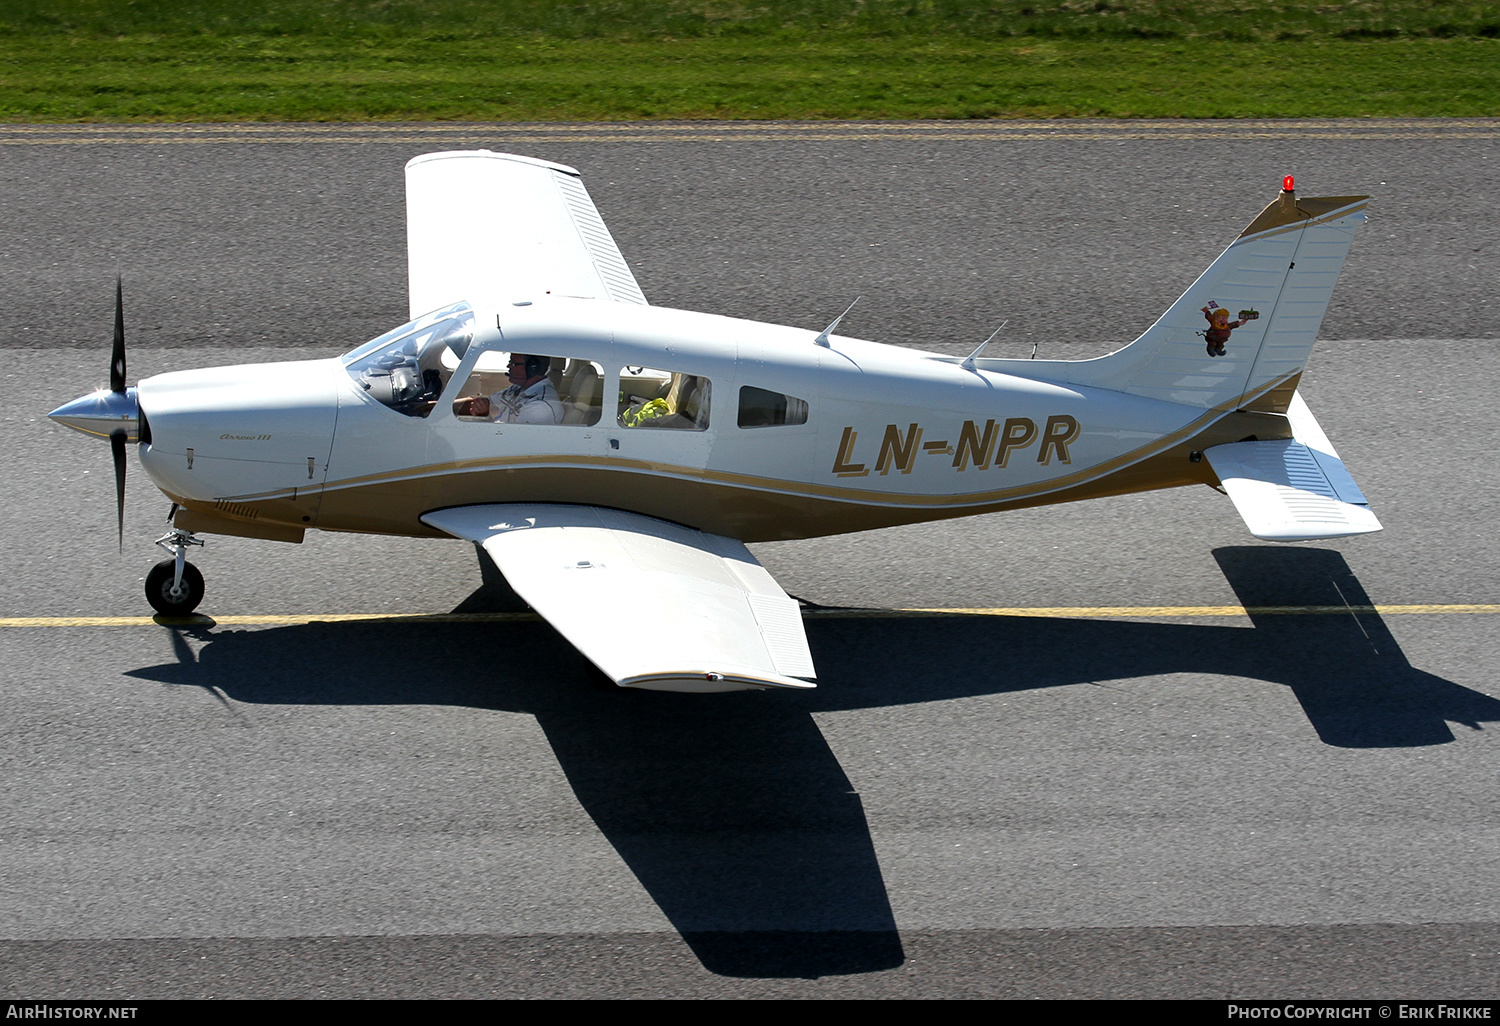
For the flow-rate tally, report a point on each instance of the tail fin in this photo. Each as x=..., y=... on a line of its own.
x=1268, y=291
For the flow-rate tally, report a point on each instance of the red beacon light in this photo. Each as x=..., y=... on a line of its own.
x=1288, y=183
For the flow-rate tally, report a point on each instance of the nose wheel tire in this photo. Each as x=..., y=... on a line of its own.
x=159, y=588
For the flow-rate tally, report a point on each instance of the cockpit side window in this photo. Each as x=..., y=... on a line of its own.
x=528, y=388
x=407, y=368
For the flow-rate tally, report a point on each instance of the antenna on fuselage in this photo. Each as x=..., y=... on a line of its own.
x=822, y=339
x=968, y=364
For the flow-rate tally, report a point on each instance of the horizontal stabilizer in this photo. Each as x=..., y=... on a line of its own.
x=1293, y=490
x=654, y=605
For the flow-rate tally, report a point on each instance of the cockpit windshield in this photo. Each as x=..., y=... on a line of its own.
x=407, y=367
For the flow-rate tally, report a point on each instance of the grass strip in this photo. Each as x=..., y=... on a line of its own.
x=63, y=78
x=546, y=60
x=779, y=20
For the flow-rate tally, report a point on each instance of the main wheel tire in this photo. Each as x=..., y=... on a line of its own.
x=159, y=588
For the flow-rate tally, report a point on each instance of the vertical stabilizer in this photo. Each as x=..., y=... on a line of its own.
x=1241, y=335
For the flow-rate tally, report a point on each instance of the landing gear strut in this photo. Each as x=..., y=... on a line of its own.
x=174, y=587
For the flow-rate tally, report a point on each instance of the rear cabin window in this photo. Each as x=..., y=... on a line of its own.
x=659, y=399
x=762, y=408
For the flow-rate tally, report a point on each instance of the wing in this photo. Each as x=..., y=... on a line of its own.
x=482, y=225
x=652, y=604
x=1295, y=490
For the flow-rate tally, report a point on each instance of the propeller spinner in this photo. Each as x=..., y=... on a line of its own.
x=112, y=413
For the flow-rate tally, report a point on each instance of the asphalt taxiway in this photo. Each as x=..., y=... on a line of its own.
x=1125, y=750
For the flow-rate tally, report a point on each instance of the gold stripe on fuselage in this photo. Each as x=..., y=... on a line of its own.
x=745, y=506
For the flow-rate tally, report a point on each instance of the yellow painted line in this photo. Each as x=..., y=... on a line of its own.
x=1137, y=612
x=722, y=131
x=259, y=620
x=1227, y=126
x=763, y=137
x=1071, y=612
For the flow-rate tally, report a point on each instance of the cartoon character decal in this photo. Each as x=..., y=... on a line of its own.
x=1219, y=326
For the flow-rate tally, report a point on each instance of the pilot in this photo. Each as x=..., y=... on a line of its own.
x=530, y=399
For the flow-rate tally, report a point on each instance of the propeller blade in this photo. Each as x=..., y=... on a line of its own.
x=117, y=360
x=117, y=450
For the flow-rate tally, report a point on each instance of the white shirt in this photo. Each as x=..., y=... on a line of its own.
x=537, y=404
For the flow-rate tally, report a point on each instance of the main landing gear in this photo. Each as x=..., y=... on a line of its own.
x=174, y=587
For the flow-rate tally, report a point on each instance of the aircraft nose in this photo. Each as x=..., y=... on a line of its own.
x=102, y=414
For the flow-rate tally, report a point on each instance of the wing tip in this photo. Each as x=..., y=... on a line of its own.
x=491, y=155
x=710, y=682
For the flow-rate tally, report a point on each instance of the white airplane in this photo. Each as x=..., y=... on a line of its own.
x=613, y=458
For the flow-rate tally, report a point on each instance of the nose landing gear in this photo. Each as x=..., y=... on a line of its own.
x=174, y=587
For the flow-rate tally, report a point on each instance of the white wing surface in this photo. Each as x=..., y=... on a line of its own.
x=1296, y=490
x=652, y=604
x=488, y=226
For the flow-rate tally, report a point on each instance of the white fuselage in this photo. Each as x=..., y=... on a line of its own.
x=891, y=435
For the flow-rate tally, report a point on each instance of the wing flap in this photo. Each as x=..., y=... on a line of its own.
x=482, y=225
x=1293, y=490
x=652, y=604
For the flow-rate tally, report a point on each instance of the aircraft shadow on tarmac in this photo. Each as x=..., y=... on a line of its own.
x=733, y=811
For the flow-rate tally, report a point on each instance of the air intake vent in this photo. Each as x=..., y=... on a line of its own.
x=236, y=509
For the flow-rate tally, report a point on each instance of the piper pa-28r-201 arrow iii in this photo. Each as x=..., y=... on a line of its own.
x=613, y=458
